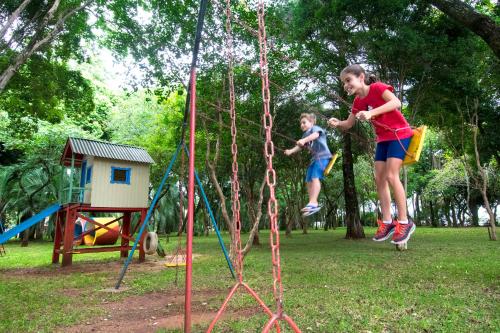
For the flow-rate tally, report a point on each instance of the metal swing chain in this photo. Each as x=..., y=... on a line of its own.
x=179, y=251
x=235, y=184
x=272, y=205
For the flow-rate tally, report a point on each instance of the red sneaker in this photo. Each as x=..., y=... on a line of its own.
x=384, y=231
x=403, y=232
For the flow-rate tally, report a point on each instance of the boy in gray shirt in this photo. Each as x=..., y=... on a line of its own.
x=314, y=139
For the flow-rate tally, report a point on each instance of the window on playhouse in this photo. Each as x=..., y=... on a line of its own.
x=88, y=175
x=120, y=175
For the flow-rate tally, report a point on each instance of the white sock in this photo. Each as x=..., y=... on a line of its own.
x=387, y=222
x=403, y=222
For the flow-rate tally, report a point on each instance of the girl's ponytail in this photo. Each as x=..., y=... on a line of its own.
x=370, y=78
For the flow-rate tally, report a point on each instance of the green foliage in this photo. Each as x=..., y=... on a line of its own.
x=45, y=90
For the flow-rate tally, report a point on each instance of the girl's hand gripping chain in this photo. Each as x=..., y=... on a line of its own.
x=364, y=115
x=333, y=122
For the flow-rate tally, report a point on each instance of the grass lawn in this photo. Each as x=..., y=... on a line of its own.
x=447, y=281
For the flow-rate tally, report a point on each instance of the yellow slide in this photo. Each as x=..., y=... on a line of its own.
x=102, y=236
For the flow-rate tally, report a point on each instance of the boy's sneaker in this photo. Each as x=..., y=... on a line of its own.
x=403, y=232
x=311, y=210
x=308, y=207
x=384, y=231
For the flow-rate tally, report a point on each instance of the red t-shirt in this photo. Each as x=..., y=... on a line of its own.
x=393, y=119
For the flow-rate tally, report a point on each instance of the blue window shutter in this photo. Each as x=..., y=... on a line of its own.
x=83, y=175
x=129, y=170
x=89, y=175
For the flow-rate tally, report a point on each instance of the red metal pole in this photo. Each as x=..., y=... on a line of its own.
x=190, y=217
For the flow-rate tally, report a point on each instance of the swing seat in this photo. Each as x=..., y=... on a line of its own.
x=330, y=165
x=171, y=265
x=416, y=145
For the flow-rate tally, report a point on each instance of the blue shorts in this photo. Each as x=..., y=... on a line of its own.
x=316, y=169
x=392, y=148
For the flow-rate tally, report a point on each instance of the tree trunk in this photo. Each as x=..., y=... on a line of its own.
x=39, y=230
x=354, y=227
x=289, y=222
x=212, y=173
x=12, y=18
x=206, y=222
x=256, y=215
x=434, y=222
x=484, y=179
x=480, y=24
x=304, y=225
x=474, y=212
x=461, y=217
x=25, y=236
x=222, y=198
x=446, y=212
x=417, y=213
x=495, y=212
x=454, y=216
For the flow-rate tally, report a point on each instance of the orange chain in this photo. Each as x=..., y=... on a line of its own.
x=272, y=205
x=235, y=184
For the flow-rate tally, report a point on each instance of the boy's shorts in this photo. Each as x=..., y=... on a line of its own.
x=316, y=169
x=392, y=148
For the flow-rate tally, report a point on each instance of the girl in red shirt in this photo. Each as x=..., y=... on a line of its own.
x=376, y=102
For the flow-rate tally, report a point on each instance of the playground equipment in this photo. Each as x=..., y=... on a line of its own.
x=100, y=236
x=8, y=234
x=113, y=179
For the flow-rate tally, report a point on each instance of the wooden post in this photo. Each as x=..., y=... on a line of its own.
x=69, y=230
x=57, y=237
x=126, y=232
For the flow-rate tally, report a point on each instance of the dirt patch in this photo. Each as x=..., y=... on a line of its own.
x=71, y=292
x=152, y=264
x=158, y=310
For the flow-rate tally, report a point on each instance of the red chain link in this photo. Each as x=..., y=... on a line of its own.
x=272, y=205
x=235, y=188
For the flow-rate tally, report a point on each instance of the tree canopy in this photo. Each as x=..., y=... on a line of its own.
x=443, y=67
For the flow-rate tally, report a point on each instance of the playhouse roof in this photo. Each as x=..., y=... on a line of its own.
x=81, y=147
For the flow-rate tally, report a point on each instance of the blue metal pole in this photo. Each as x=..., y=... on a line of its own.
x=212, y=218
x=148, y=215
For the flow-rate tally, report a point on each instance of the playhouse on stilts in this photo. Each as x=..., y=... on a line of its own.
x=103, y=179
